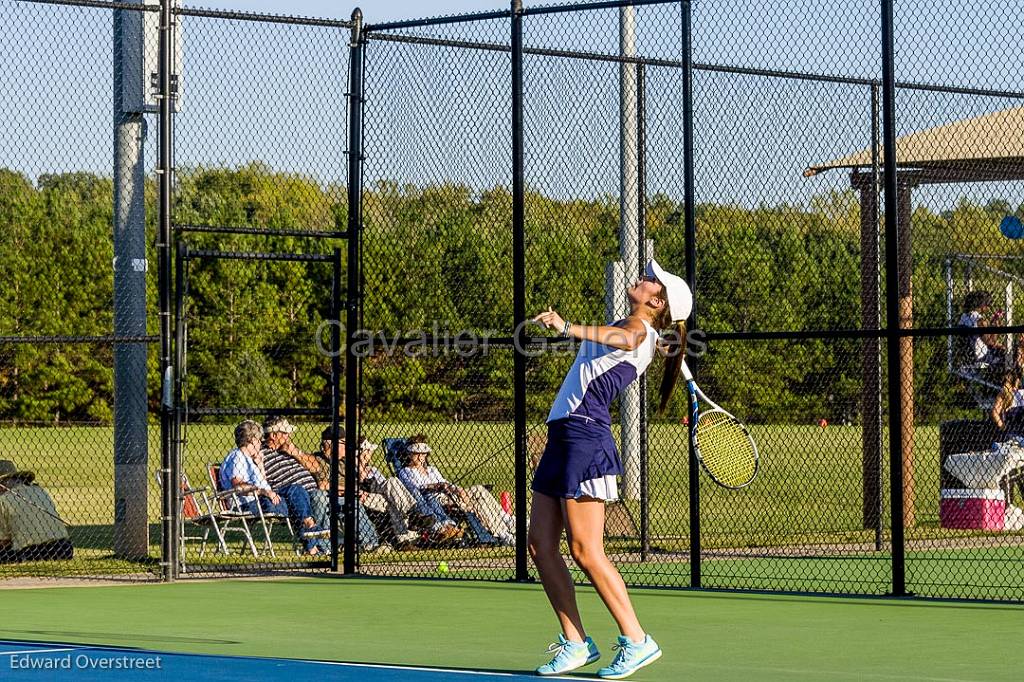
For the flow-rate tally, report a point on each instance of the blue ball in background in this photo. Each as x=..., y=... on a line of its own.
x=1012, y=227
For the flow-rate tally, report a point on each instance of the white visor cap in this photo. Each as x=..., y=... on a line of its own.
x=680, y=300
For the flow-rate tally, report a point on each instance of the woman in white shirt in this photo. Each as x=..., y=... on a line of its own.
x=489, y=521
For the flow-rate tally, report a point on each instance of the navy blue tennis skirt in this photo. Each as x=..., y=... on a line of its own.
x=577, y=450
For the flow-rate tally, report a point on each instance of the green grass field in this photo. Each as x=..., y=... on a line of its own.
x=501, y=627
x=797, y=528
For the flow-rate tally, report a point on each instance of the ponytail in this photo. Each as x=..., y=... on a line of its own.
x=674, y=355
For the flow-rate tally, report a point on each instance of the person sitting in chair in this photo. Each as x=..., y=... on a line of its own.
x=483, y=513
x=1008, y=416
x=242, y=471
x=287, y=465
x=984, y=350
x=30, y=528
x=386, y=496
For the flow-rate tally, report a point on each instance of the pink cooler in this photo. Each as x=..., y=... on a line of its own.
x=971, y=508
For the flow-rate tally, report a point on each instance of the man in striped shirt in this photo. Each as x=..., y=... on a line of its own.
x=288, y=467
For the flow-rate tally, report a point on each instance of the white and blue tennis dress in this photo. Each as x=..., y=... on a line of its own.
x=581, y=459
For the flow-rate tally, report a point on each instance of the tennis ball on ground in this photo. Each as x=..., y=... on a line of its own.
x=442, y=568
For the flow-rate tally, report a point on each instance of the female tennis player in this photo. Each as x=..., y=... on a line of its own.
x=577, y=472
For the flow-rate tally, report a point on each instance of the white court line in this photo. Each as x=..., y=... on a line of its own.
x=455, y=671
x=38, y=651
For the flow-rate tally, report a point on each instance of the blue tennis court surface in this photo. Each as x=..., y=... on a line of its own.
x=51, y=661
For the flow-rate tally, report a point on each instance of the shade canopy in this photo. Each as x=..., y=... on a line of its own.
x=986, y=148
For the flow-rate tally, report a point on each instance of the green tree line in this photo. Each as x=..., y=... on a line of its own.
x=439, y=259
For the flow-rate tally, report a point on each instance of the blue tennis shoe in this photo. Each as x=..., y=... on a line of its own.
x=569, y=656
x=631, y=657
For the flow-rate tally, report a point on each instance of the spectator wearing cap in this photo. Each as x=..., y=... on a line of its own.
x=243, y=470
x=483, y=512
x=30, y=528
x=288, y=467
x=382, y=494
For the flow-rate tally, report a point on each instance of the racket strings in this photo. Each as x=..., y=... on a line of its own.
x=726, y=449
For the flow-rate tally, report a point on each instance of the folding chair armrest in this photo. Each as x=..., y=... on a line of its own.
x=225, y=493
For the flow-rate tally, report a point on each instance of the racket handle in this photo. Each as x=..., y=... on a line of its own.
x=685, y=370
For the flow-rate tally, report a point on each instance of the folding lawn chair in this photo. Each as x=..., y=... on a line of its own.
x=231, y=506
x=395, y=452
x=195, y=508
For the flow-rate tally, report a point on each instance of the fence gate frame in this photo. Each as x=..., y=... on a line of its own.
x=183, y=412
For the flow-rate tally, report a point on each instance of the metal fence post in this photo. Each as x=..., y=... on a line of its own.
x=641, y=246
x=172, y=485
x=130, y=409
x=336, y=306
x=355, y=218
x=690, y=226
x=892, y=312
x=165, y=168
x=519, y=288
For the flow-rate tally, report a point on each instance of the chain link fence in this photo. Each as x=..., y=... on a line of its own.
x=858, y=314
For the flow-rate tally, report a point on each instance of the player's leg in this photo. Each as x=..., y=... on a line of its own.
x=573, y=648
x=545, y=536
x=584, y=527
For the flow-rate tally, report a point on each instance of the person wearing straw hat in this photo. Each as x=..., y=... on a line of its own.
x=30, y=528
x=384, y=494
x=577, y=472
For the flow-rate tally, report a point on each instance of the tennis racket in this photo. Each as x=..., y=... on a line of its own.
x=722, y=444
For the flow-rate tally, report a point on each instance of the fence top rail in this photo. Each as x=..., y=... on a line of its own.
x=253, y=16
x=99, y=4
x=602, y=4
x=54, y=339
x=248, y=411
x=193, y=254
x=439, y=21
x=697, y=66
x=309, y=233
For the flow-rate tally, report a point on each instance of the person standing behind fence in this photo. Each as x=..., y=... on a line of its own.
x=577, y=472
x=30, y=528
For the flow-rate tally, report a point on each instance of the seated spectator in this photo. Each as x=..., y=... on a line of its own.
x=484, y=514
x=1008, y=409
x=983, y=349
x=30, y=528
x=242, y=470
x=1008, y=415
x=389, y=495
x=287, y=466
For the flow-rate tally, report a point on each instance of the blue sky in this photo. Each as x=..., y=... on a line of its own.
x=443, y=115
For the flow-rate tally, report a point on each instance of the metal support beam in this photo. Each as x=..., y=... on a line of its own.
x=519, y=288
x=690, y=226
x=892, y=302
x=355, y=218
x=131, y=442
